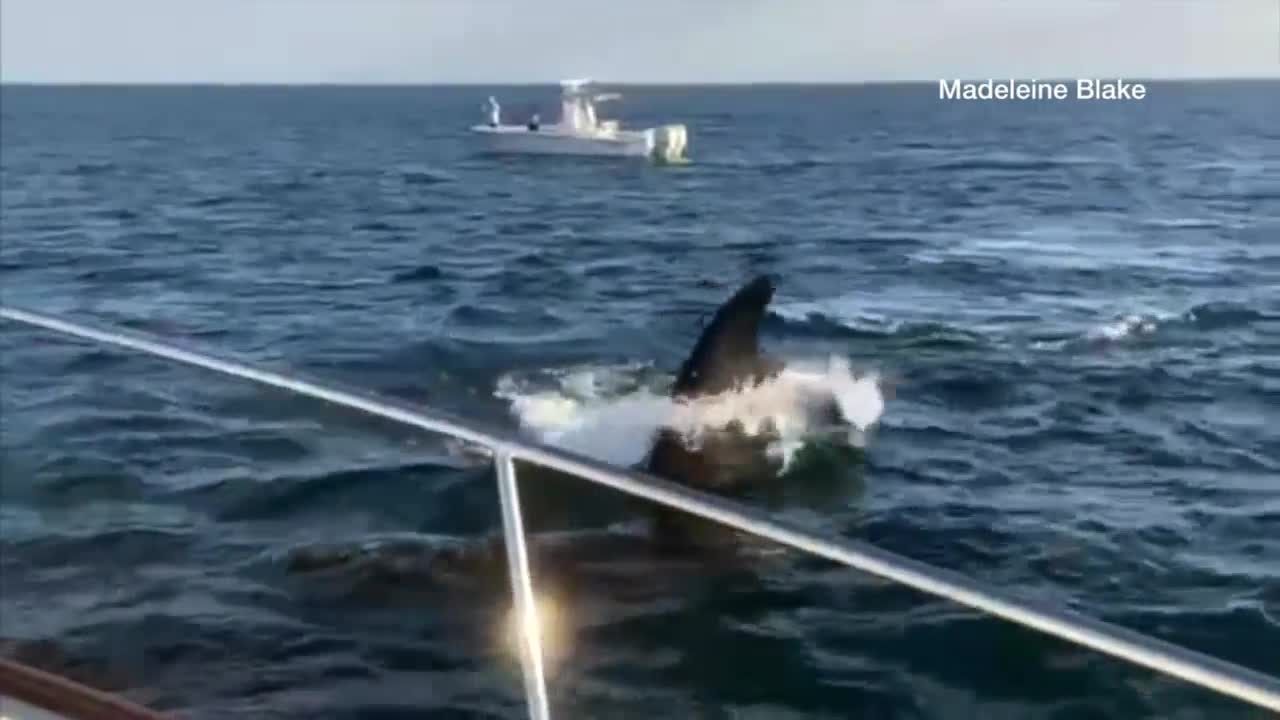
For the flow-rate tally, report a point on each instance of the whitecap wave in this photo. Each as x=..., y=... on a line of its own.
x=1127, y=326
x=612, y=413
x=1118, y=330
x=842, y=310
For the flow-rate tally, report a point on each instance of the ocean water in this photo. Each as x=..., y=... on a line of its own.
x=1078, y=306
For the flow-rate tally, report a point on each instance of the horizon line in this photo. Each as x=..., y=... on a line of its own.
x=616, y=83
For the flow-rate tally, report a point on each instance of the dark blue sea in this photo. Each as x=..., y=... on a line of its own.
x=1078, y=304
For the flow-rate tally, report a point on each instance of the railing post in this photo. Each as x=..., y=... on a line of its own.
x=528, y=627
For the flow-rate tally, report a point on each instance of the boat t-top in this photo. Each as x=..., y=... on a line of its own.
x=580, y=131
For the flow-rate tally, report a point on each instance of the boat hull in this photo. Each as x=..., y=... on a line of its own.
x=27, y=693
x=548, y=141
x=551, y=140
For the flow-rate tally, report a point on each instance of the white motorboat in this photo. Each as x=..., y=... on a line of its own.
x=580, y=132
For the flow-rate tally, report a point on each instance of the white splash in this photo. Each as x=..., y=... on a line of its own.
x=606, y=413
x=1131, y=325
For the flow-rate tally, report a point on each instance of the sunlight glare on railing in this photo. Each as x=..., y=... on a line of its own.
x=546, y=620
x=528, y=628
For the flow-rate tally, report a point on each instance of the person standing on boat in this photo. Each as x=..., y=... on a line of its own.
x=494, y=112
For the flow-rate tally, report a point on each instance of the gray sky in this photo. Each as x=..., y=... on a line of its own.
x=424, y=41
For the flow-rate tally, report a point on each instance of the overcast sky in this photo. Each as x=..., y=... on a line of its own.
x=425, y=41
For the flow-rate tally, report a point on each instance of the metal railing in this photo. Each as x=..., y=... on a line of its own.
x=1194, y=667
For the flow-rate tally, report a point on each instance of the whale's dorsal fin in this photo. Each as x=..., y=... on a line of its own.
x=727, y=354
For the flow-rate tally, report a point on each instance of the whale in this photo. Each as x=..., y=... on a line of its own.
x=726, y=357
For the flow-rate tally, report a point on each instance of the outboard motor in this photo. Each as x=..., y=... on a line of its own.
x=669, y=142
